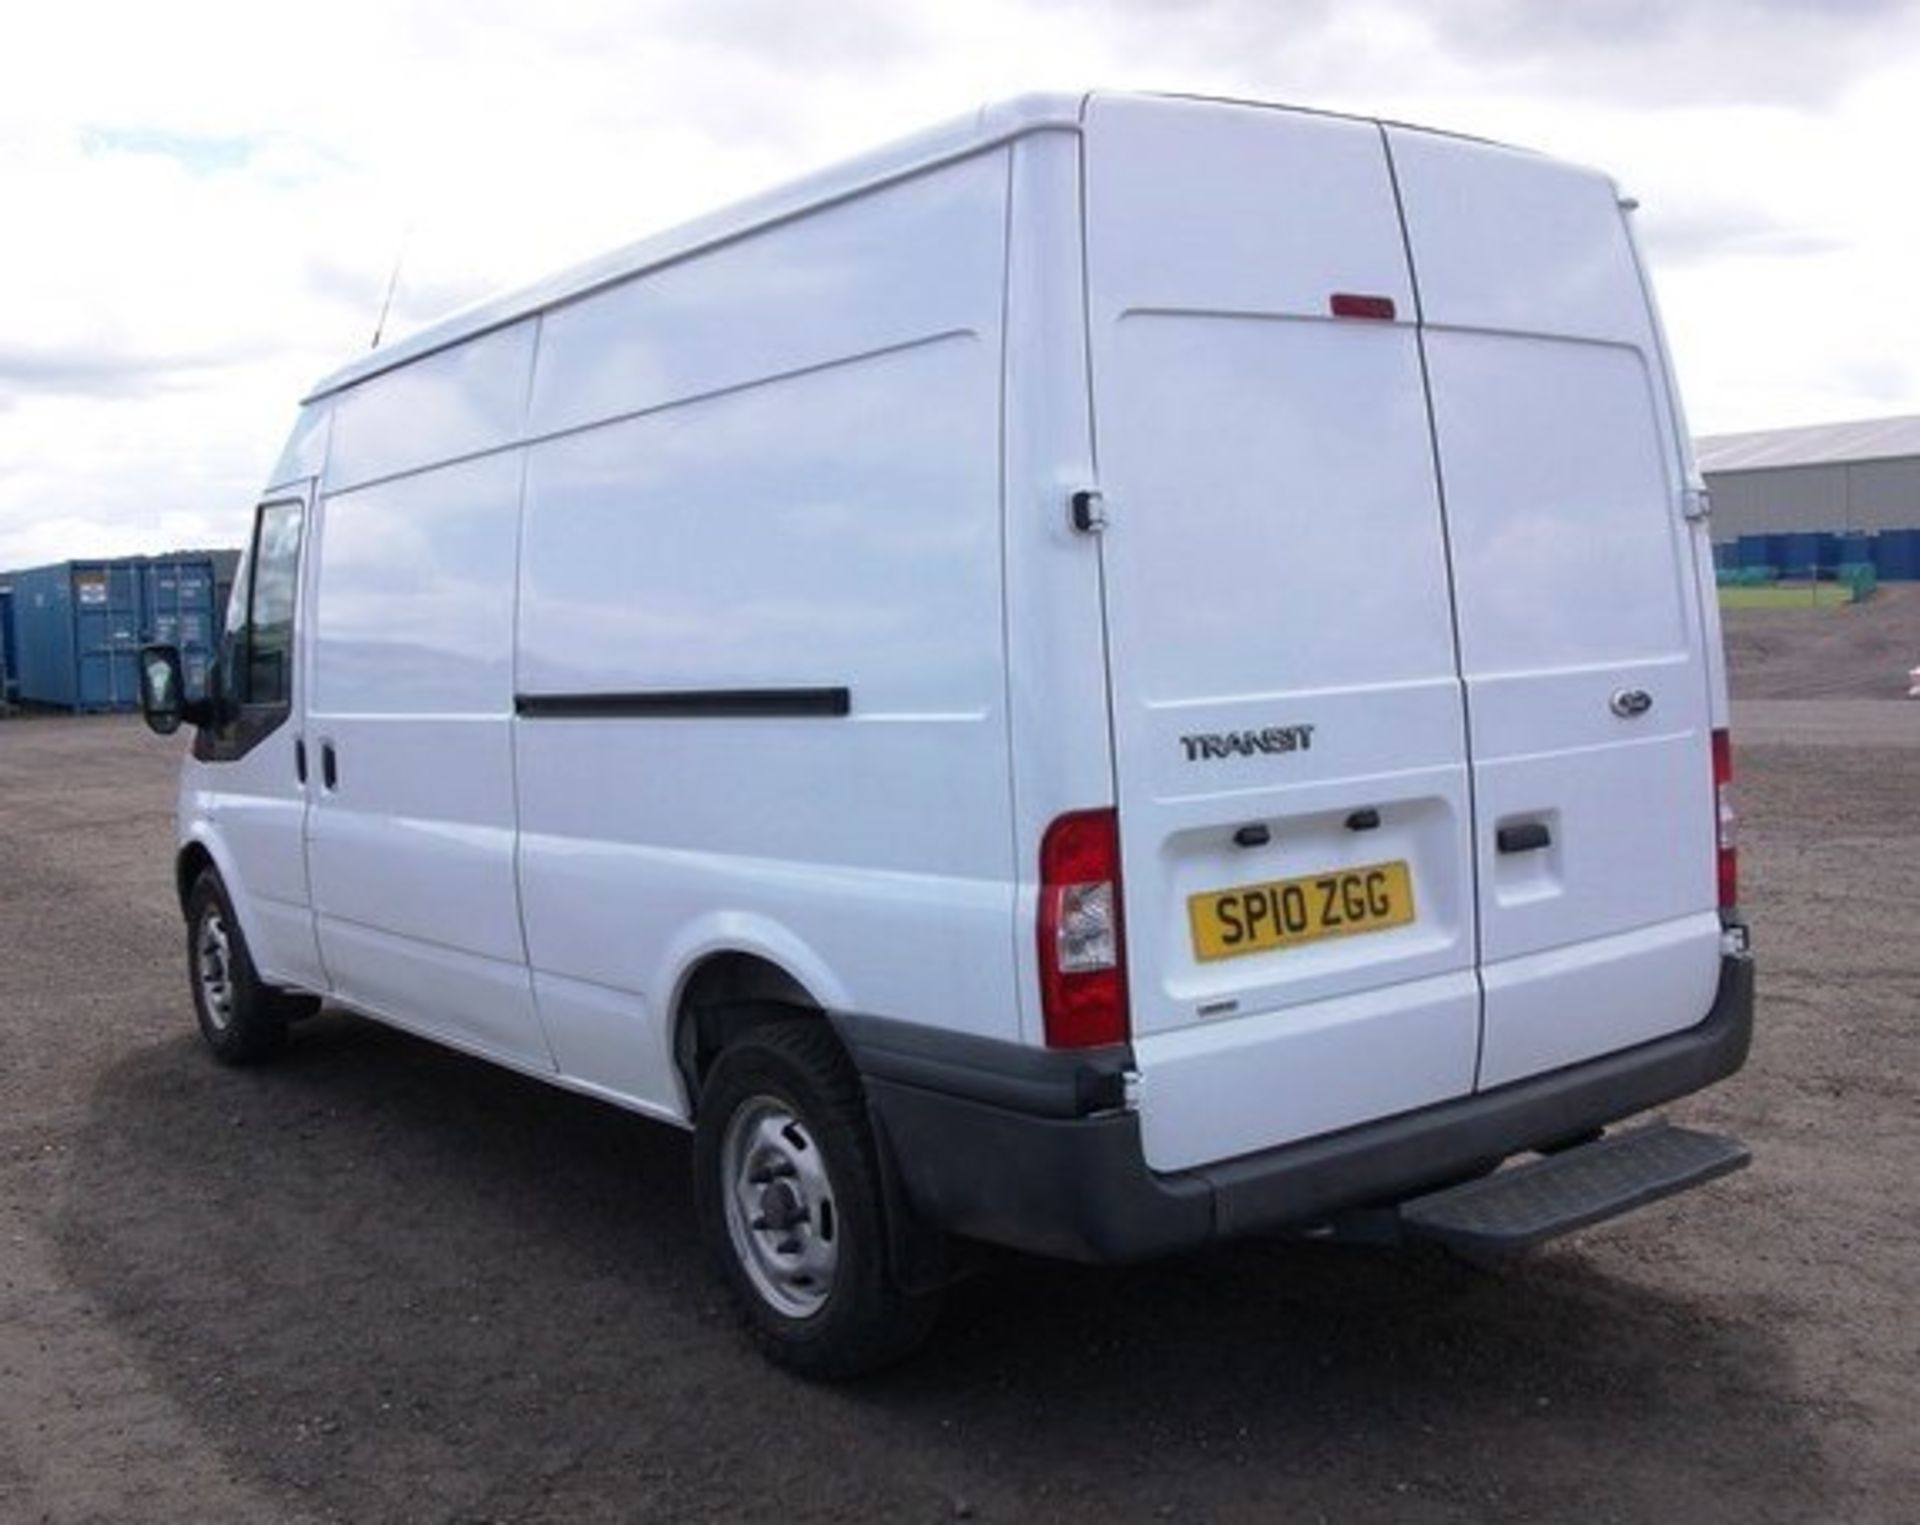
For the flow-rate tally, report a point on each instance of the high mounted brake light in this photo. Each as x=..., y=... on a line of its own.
x=1083, y=982
x=1354, y=304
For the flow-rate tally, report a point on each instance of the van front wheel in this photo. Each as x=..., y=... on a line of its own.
x=243, y=1020
x=792, y=1206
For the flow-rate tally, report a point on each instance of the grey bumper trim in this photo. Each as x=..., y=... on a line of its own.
x=1038, y=1081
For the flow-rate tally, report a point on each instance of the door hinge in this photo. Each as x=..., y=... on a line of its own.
x=1696, y=503
x=1089, y=510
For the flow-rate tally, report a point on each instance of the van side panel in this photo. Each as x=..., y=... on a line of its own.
x=848, y=280
x=459, y=402
x=1575, y=582
x=798, y=489
x=1062, y=746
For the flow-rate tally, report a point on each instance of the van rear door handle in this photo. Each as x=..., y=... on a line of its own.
x=329, y=771
x=300, y=758
x=1526, y=837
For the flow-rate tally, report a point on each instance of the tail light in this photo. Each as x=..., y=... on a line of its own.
x=1083, y=980
x=1725, y=819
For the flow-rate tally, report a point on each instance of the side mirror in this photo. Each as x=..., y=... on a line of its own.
x=163, y=690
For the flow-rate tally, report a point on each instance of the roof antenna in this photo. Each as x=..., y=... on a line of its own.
x=393, y=284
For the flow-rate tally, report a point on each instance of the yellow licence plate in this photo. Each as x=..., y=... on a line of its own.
x=1285, y=912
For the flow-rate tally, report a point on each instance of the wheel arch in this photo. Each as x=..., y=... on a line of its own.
x=734, y=958
x=727, y=992
x=203, y=851
x=193, y=859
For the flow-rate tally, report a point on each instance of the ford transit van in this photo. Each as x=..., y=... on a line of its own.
x=1124, y=672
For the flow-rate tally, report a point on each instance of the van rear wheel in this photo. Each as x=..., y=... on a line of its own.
x=242, y=1020
x=792, y=1207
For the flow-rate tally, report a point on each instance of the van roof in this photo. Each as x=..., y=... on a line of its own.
x=995, y=123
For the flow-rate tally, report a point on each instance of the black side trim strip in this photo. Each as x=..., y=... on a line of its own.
x=687, y=704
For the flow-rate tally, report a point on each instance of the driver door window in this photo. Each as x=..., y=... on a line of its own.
x=257, y=655
x=265, y=651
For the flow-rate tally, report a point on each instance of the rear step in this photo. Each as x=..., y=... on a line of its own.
x=1519, y=1208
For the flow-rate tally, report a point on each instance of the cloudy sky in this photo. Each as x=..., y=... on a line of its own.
x=203, y=200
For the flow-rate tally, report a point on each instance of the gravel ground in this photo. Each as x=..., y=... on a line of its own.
x=382, y=1282
x=1858, y=651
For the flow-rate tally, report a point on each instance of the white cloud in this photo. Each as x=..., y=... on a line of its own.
x=204, y=199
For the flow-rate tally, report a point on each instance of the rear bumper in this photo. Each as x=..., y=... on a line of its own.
x=1030, y=1149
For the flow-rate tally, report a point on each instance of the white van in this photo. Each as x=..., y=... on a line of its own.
x=1123, y=672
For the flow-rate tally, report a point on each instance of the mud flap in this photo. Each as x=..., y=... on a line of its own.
x=920, y=1257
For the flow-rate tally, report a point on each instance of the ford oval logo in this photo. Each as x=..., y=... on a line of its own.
x=1630, y=702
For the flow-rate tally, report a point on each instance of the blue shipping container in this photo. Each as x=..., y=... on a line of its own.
x=1754, y=551
x=79, y=627
x=1799, y=553
x=179, y=606
x=9, y=680
x=1896, y=555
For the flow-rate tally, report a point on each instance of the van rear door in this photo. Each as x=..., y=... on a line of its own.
x=1581, y=632
x=1290, y=747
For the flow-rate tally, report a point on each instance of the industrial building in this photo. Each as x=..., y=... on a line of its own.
x=1818, y=495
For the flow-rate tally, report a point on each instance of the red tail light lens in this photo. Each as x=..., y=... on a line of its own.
x=1725, y=820
x=1083, y=980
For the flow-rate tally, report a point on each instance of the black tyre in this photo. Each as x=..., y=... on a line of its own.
x=792, y=1205
x=243, y=1020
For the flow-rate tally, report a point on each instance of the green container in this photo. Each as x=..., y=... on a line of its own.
x=1860, y=578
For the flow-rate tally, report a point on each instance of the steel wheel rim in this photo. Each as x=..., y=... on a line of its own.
x=213, y=967
x=781, y=1214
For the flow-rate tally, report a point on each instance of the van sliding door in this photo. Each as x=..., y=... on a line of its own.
x=412, y=832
